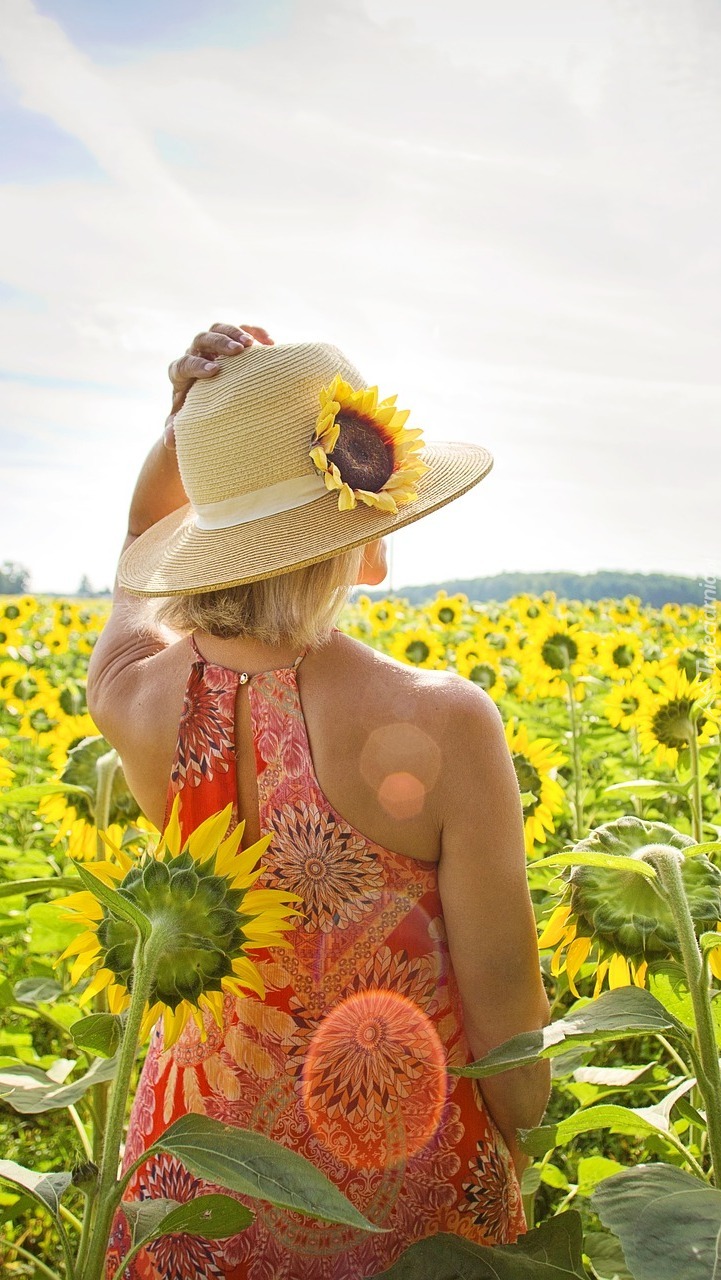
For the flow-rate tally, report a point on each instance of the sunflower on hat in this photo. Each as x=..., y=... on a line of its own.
x=363, y=449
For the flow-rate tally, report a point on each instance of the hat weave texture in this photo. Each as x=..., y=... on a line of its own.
x=250, y=427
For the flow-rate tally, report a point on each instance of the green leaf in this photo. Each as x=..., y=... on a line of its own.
x=708, y=847
x=32, y=1091
x=646, y=788
x=615, y=1077
x=668, y=982
x=625, y=1011
x=40, y=990
x=549, y=1252
x=213, y=1217
x=606, y=1256
x=21, y=796
x=709, y=941
x=553, y=1176
x=100, y=1032
x=589, y=859
x=26, y=888
x=254, y=1165
x=592, y=1170
x=640, y=1124
x=46, y=1188
x=668, y=1222
x=116, y=904
x=50, y=931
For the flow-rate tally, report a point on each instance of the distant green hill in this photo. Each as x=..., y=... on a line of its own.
x=651, y=588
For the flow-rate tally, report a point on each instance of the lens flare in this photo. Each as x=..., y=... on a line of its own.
x=376, y=1069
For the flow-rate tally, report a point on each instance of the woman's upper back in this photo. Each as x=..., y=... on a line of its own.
x=382, y=737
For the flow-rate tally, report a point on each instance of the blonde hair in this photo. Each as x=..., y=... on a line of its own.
x=301, y=606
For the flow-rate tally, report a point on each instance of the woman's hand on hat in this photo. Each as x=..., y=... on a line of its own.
x=201, y=361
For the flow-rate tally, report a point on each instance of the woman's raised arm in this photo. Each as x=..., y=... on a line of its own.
x=487, y=906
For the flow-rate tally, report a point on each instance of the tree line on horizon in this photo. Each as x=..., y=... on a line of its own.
x=651, y=588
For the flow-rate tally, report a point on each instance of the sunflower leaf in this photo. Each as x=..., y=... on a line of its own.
x=625, y=1011
x=648, y=788
x=99, y=1032
x=611, y=862
x=668, y=1222
x=708, y=847
x=46, y=1188
x=32, y=1091
x=213, y=1217
x=641, y=1123
x=36, y=791
x=549, y=1252
x=116, y=903
x=248, y=1162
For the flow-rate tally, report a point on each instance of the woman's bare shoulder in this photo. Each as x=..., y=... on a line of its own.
x=410, y=693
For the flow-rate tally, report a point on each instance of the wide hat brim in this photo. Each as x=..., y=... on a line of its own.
x=175, y=557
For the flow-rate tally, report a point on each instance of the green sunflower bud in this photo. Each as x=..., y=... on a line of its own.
x=628, y=913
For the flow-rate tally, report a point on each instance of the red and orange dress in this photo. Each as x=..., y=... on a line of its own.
x=344, y=1061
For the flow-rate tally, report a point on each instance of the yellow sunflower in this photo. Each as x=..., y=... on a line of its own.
x=364, y=450
x=624, y=703
x=447, y=611
x=479, y=662
x=620, y=654
x=419, y=647
x=554, y=649
x=200, y=892
x=680, y=709
x=536, y=763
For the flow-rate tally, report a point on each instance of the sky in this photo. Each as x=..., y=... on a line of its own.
x=506, y=213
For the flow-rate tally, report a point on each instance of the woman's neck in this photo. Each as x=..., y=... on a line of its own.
x=245, y=653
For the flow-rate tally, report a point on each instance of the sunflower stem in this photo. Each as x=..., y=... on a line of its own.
x=696, y=797
x=667, y=863
x=577, y=788
x=108, y=1193
x=105, y=770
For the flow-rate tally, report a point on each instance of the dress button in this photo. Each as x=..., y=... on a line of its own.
x=244, y=677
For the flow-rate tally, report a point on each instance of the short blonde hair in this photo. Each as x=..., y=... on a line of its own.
x=300, y=607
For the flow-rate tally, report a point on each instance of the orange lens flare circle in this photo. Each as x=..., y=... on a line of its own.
x=374, y=1080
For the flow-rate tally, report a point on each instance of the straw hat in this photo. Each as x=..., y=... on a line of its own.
x=260, y=505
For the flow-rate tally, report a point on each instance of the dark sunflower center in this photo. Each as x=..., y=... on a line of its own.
x=483, y=674
x=529, y=780
x=417, y=651
x=446, y=614
x=629, y=704
x=362, y=454
x=672, y=725
x=623, y=655
x=559, y=651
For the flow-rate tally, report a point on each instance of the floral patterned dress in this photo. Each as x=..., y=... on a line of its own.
x=345, y=1059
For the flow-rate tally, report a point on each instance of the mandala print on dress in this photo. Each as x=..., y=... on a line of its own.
x=334, y=871
x=180, y=1257
x=377, y=1064
x=205, y=743
x=491, y=1193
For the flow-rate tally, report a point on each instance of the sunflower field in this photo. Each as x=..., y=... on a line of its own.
x=612, y=717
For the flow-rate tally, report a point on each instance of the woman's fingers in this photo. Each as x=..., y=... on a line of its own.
x=187, y=368
x=261, y=335
x=201, y=360
x=213, y=344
